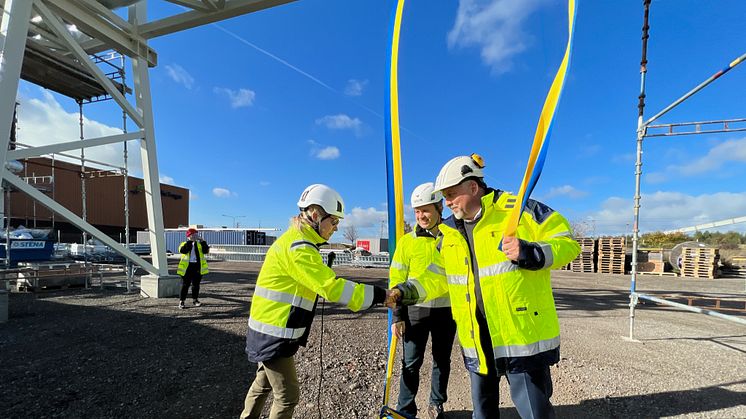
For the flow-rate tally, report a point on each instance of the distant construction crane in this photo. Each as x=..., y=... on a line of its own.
x=706, y=226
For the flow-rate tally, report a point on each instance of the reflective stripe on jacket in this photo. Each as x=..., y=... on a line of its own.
x=184, y=261
x=284, y=299
x=416, y=253
x=518, y=303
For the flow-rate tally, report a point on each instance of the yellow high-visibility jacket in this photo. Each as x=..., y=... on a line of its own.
x=416, y=253
x=202, y=248
x=517, y=298
x=284, y=300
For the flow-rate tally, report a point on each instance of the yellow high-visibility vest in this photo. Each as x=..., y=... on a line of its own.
x=518, y=303
x=184, y=261
x=291, y=278
x=413, y=256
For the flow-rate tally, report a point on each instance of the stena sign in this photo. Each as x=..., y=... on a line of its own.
x=27, y=244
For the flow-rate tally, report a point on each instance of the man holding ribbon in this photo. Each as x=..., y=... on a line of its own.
x=500, y=289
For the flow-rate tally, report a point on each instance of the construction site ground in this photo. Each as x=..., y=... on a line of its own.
x=104, y=353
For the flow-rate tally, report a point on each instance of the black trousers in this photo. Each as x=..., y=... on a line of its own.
x=440, y=325
x=191, y=277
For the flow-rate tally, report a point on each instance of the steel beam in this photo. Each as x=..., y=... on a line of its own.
x=15, y=17
x=57, y=27
x=700, y=310
x=103, y=29
x=192, y=19
x=44, y=37
x=75, y=220
x=706, y=226
x=72, y=145
x=151, y=180
x=102, y=10
x=194, y=4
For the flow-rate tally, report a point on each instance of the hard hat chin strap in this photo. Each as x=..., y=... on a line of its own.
x=309, y=219
x=440, y=219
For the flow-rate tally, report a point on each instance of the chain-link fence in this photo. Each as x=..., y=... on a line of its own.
x=239, y=253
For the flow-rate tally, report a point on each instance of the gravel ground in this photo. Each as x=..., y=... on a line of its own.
x=104, y=353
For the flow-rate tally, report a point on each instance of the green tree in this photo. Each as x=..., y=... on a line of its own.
x=661, y=239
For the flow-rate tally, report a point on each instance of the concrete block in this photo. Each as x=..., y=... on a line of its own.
x=160, y=287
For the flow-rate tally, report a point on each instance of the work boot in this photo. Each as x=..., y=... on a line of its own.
x=197, y=303
x=182, y=305
x=435, y=412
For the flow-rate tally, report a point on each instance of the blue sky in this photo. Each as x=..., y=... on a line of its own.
x=247, y=129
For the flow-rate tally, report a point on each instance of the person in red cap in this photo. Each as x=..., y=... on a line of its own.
x=192, y=265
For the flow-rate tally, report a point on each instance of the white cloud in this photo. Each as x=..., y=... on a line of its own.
x=239, y=98
x=264, y=183
x=43, y=121
x=565, y=190
x=721, y=154
x=193, y=196
x=166, y=179
x=180, y=75
x=494, y=26
x=340, y=121
x=718, y=156
x=223, y=193
x=323, y=152
x=327, y=153
x=355, y=87
x=364, y=218
x=668, y=210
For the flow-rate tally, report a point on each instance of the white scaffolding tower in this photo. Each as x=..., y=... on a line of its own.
x=37, y=45
x=646, y=129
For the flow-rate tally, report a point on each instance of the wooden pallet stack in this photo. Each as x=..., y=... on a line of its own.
x=585, y=260
x=737, y=268
x=650, y=261
x=611, y=253
x=700, y=262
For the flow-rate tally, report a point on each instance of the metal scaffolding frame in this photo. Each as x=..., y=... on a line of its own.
x=41, y=28
x=726, y=125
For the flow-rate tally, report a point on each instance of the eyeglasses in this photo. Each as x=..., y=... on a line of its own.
x=335, y=220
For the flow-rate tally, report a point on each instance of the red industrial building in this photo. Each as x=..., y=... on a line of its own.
x=61, y=181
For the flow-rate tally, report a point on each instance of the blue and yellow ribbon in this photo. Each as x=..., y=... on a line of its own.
x=543, y=130
x=395, y=189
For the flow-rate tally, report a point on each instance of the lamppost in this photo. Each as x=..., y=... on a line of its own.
x=233, y=217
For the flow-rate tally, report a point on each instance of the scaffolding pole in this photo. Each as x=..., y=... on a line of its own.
x=638, y=167
x=708, y=312
x=125, y=173
x=697, y=128
x=699, y=87
x=84, y=206
x=642, y=133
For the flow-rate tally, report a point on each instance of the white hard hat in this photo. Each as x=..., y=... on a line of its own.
x=325, y=197
x=459, y=168
x=425, y=194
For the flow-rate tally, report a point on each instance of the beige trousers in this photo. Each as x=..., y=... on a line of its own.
x=278, y=376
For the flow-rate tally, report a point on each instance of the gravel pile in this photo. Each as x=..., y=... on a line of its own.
x=104, y=353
